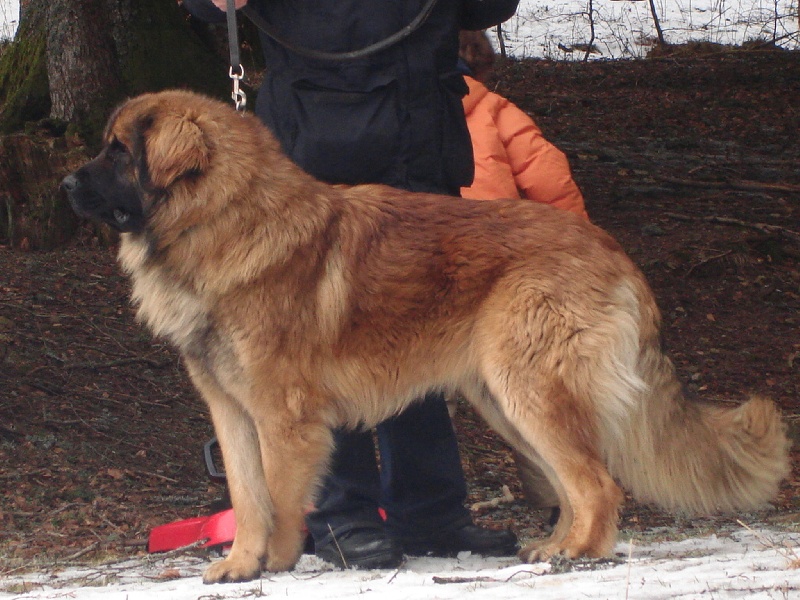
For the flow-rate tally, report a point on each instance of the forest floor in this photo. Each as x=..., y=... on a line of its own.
x=691, y=162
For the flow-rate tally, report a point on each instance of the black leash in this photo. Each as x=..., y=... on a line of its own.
x=236, y=71
x=398, y=36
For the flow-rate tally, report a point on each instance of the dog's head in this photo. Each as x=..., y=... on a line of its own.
x=150, y=144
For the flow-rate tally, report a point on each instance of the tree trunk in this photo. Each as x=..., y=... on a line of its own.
x=70, y=63
x=72, y=60
x=82, y=72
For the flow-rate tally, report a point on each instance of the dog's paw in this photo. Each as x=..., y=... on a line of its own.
x=278, y=565
x=568, y=547
x=538, y=552
x=545, y=550
x=232, y=571
x=282, y=557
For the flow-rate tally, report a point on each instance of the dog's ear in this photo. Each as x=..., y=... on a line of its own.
x=174, y=146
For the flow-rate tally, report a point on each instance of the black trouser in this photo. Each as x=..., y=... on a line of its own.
x=420, y=483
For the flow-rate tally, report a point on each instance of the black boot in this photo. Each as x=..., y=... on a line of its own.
x=463, y=538
x=360, y=546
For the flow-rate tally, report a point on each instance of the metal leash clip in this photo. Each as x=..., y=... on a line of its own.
x=238, y=95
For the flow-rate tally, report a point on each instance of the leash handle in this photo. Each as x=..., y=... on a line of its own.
x=236, y=72
x=208, y=457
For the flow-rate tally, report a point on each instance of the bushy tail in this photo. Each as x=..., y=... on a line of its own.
x=696, y=457
x=663, y=448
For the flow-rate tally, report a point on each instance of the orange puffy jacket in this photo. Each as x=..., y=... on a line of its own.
x=512, y=158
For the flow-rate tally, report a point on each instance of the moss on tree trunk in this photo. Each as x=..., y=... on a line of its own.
x=24, y=90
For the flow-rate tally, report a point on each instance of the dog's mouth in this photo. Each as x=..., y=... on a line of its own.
x=91, y=207
x=121, y=209
x=124, y=220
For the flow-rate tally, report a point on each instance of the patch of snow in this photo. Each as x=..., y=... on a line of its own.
x=748, y=563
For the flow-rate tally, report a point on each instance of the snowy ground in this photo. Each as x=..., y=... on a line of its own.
x=9, y=17
x=560, y=29
x=623, y=28
x=746, y=563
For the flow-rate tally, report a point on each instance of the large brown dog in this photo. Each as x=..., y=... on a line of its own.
x=299, y=307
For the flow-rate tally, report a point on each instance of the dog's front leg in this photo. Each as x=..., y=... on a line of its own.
x=238, y=439
x=295, y=447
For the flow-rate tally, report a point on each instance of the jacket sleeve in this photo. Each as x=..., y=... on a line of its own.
x=540, y=169
x=481, y=14
x=205, y=10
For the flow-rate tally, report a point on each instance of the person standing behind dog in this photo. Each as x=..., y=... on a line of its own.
x=512, y=157
x=393, y=117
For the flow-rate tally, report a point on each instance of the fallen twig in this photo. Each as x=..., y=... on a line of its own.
x=120, y=362
x=151, y=474
x=506, y=498
x=788, y=553
x=762, y=227
x=734, y=184
x=484, y=579
x=82, y=552
x=445, y=580
x=628, y=576
x=187, y=549
x=707, y=260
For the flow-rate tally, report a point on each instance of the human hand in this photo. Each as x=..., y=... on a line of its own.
x=223, y=4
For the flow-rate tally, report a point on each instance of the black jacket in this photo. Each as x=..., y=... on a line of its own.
x=393, y=117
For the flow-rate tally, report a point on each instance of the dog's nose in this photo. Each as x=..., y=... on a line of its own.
x=70, y=182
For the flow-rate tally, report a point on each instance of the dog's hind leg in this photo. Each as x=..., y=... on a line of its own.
x=556, y=433
x=238, y=440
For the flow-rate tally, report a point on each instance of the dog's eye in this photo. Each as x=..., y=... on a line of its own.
x=116, y=151
x=116, y=148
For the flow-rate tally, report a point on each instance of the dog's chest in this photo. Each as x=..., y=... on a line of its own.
x=169, y=308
